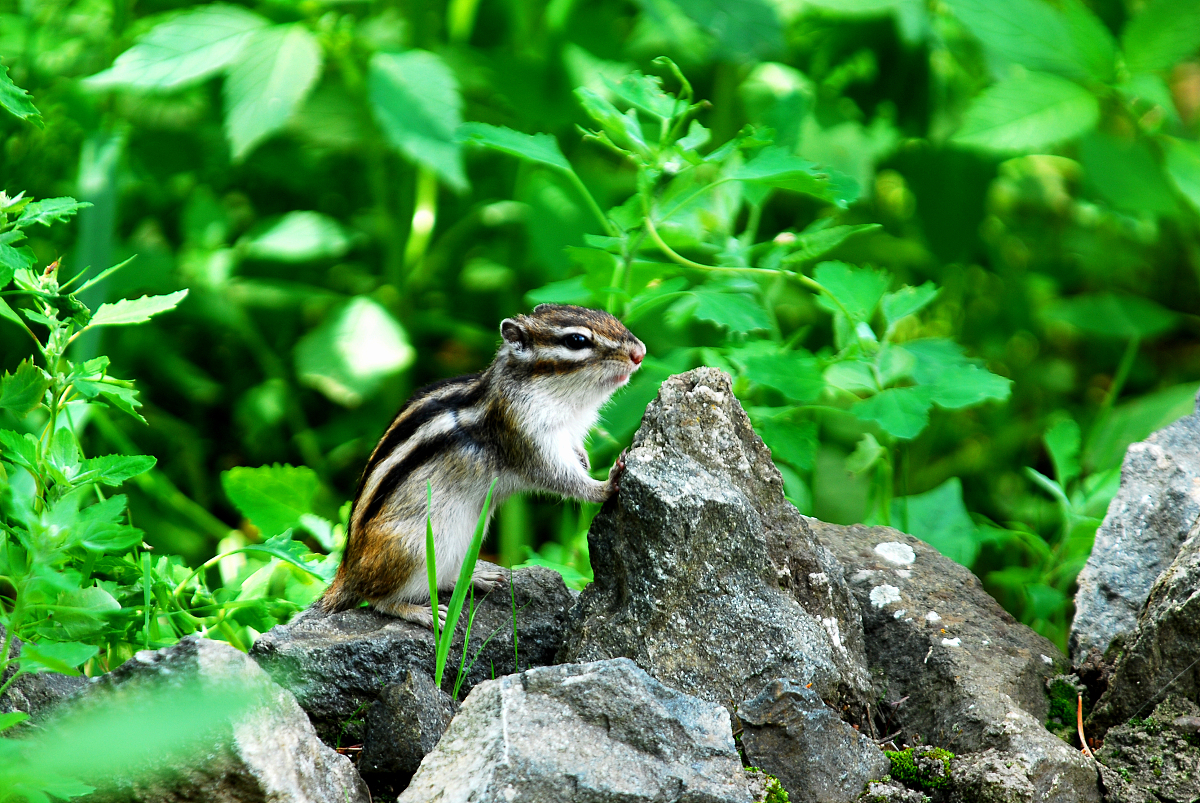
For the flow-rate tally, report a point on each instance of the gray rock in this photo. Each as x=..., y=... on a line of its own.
x=1147, y=521
x=600, y=732
x=338, y=665
x=959, y=672
x=990, y=777
x=269, y=752
x=403, y=725
x=705, y=575
x=891, y=792
x=37, y=694
x=1160, y=656
x=1154, y=759
x=789, y=732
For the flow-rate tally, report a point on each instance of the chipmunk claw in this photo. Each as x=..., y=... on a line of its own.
x=488, y=581
x=614, y=475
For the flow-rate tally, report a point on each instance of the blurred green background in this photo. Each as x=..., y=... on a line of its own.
x=295, y=166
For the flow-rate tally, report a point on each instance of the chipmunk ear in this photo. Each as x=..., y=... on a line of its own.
x=513, y=333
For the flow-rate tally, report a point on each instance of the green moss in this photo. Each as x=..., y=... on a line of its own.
x=921, y=767
x=1064, y=702
x=775, y=791
x=1149, y=725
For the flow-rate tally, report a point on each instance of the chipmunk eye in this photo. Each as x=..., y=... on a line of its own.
x=575, y=341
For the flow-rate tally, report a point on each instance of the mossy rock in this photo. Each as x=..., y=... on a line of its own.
x=774, y=791
x=921, y=767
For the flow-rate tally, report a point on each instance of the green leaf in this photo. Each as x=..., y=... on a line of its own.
x=274, y=498
x=82, y=612
x=1134, y=421
x=415, y=99
x=22, y=391
x=1112, y=315
x=1028, y=112
x=623, y=129
x=812, y=244
x=907, y=301
x=777, y=167
x=101, y=527
x=272, y=75
x=1183, y=168
x=64, y=452
x=114, y=469
x=56, y=656
x=539, y=148
x=1035, y=35
x=961, y=386
x=349, y=355
x=294, y=552
x=733, y=311
x=182, y=50
x=1163, y=33
x=903, y=413
x=50, y=210
x=135, y=310
x=12, y=260
x=791, y=442
x=299, y=237
x=12, y=718
x=644, y=92
x=1126, y=173
x=940, y=519
x=17, y=101
x=858, y=290
x=795, y=374
x=21, y=450
x=865, y=454
x=741, y=28
x=1063, y=442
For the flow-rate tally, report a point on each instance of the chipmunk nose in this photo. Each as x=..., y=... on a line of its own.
x=637, y=354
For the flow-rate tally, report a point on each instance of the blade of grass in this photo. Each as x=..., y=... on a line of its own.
x=454, y=609
x=431, y=569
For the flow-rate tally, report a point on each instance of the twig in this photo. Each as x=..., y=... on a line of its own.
x=1079, y=723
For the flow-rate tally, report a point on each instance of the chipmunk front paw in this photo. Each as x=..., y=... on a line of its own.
x=488, y=581
x=614, y=474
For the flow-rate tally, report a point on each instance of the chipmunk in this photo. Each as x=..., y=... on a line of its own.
x=523, y=420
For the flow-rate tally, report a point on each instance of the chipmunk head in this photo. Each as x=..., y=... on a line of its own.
x=582, y=351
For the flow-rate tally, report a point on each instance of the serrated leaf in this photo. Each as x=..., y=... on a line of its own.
x=795, y=374
x=267, y=82
x=50, y=210
x=811, y=245
x=1035, y=35
x=64, y=452
x=22, y=391
x=1028, y=112
x=1063, y=442
x=13, y=259
x=540, y=148
x=17, y=101
x=82, y=612
x=857, y=290
x=623, y=129
x=114, y=469
x=940, y=519
x=183, y=50
x=101, y=527
x=777, y=167
x=349, y=355
x=967, y=385
x=735, y=312
x=1163, y=33
x=135, y=310
x=415, y=98
x=283, y=547
x=300, y=237
x=19, y=449
x=1112, y=315
x=907, y=301
x=903, y=413
x=274, y=498
x=791, y=442
x=643, y=92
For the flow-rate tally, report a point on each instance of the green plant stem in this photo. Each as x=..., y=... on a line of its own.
x=460, y=20
x=607, y=224
x=1118, y=382
x=423, y=219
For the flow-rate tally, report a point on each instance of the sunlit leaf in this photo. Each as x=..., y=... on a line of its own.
x=1028, y=112
x=907, y=301
x=940, y=519
x=50, y=210
x=857, y=290
x=275, y=498
x=542, y=148
x=17, y=101
x=644, y=92
x=135, y=310
x=1062, y=442
x=967, y=385
x=1161, y=34
x=623, y=129
x=299, y=237
x=353, y=351
x=267, y=82
x=22, y=391
x=294, y=552
x=729, y=310
x=12, y=718
x=416, y=101
x=184, y=49
x=795, y=374
x=901, y=412
x=776, y=167
x=56, y=656
x=115, y=469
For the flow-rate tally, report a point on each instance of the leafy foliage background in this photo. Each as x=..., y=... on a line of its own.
x=984, y=191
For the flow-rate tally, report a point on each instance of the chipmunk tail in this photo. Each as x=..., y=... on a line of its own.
x=336, y=598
